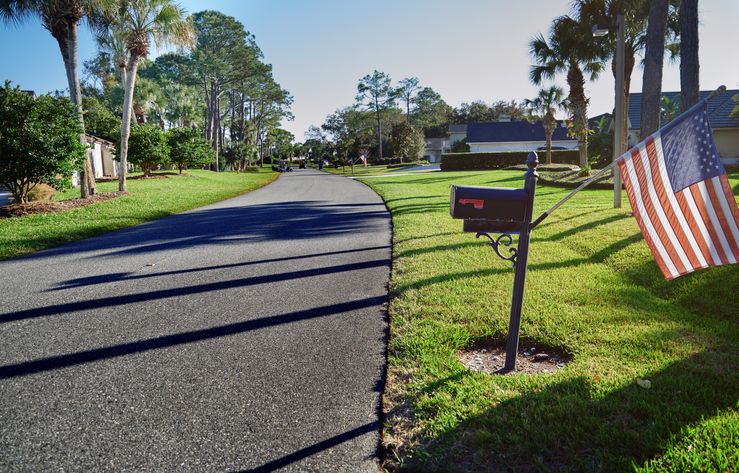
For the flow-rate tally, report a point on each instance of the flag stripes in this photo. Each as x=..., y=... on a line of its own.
x=686, y=230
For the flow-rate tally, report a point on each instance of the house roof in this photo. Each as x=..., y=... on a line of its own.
x=497, y=132
x=719, y=108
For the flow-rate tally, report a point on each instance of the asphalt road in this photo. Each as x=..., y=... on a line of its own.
x=246, y=335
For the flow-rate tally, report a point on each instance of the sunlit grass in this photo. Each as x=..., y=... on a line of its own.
x=148, y=199
x=594, y=291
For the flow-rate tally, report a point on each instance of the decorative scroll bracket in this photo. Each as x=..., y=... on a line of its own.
x=502, y=241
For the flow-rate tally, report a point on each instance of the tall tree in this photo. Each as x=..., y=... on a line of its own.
x=406, y=90
x=689, y=64
x=61, y=18
x=569, y=49
x=375, y=93
x=653, y=60
x=432, y=114
x=161, y=21
x=225, y=52
x=546, y=104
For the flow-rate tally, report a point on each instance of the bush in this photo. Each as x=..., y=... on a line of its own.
x=485, y=161
x=188, y=148
x=148, y=147
x=39, y=141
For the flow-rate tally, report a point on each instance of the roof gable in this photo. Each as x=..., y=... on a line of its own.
x=497, y=132
x=719, y=108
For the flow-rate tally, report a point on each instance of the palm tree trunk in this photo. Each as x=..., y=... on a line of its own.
x=579, y=104
x=549, y=131
x=689, y=64
x=133, y=63
x=653, y=59
x=88, y=176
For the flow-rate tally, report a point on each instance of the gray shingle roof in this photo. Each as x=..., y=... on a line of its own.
x=719, y=108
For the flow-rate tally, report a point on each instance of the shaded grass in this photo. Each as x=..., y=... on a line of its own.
x=593, y=291
x=148, y=199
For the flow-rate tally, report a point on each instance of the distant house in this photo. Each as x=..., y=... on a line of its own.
x=457, y=133
x=102, y=153
x=515, y=136
x=103, y=156
x=434, y=148
x=725, y=128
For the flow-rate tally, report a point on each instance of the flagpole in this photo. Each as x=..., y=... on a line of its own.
x=598, y=174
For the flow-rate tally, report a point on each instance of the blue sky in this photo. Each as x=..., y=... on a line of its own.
x=464, y=49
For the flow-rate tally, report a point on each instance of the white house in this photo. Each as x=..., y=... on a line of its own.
x=515, y=136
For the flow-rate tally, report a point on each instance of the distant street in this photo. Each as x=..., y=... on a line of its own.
x=246, y=335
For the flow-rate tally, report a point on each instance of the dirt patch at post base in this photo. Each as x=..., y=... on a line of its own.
x=490, y=358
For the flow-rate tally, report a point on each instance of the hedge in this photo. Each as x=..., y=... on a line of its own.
x=484, y=161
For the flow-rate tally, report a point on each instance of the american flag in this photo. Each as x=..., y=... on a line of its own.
x=681, y=197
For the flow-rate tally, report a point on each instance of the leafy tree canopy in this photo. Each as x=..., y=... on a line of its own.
x=39, y=141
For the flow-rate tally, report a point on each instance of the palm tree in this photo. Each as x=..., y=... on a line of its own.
x=545, y=105
x=61, y=18
x=689, y=64
x=653, y=60
x=569, y=49
x=143, y=21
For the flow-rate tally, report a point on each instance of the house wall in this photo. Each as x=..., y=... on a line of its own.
x=95, y=152
x=727, y=142
x=518, y=146
x=109, y=165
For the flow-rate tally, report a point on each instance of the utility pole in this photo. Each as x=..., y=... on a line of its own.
x=619, y=147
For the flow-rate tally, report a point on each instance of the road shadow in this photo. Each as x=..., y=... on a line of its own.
x=119, y=277
x=165, y=341
x=136, y=297
x=281, y=221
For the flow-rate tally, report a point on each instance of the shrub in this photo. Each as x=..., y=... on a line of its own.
x=188, y=148
x=39, y=141
x=484, y=161
x=148, y=147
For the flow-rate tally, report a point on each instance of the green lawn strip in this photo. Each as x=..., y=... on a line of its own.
x=148, y=199
x=366, y=171
x=594, y=291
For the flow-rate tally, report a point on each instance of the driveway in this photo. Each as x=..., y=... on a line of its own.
x=246, y=335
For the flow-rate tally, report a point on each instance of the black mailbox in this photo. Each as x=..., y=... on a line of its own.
x=489, y=209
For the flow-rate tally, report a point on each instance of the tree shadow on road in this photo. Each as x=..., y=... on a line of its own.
x=283, y=221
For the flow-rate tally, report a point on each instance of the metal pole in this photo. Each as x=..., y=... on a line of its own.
x=618, y=145
x=519, y=280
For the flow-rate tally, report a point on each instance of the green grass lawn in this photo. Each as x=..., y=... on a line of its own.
x=365, y=171
x=148, y=199
x=594, y=291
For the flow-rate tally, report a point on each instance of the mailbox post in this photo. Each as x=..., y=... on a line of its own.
x=519, y=280
x=504, y=211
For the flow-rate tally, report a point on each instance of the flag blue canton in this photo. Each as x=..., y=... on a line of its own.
x=689, y=151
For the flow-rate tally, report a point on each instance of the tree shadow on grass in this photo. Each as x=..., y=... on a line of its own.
x=597, y=257
x=569, y=426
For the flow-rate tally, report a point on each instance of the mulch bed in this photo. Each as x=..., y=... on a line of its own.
x=490, y=358
x=30, y=208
